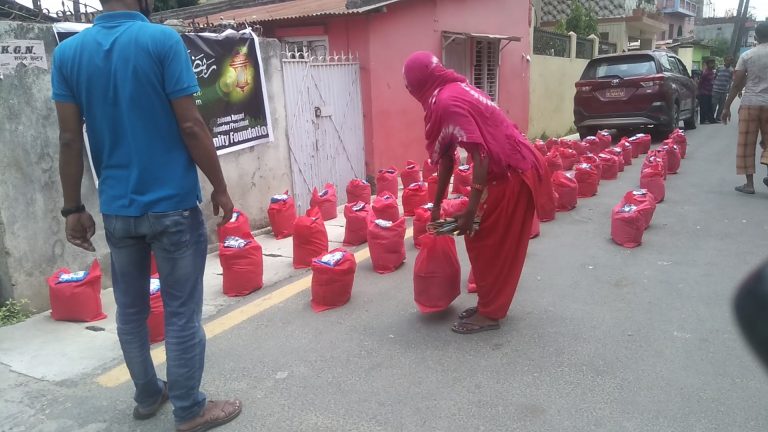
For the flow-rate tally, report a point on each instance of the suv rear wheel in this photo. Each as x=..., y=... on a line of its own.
x=663, y=132
x=691, y=122
x=586, y=131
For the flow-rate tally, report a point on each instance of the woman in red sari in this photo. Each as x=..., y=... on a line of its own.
x=508, y=175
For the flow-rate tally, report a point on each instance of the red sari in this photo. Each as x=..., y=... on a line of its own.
x=458, y=114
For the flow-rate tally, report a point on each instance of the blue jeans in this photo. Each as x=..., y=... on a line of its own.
x=178, y=240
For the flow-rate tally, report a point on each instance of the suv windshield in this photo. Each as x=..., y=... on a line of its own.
x=619, y=67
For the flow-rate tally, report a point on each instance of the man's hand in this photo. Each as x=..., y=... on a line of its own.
x=222, y=201
x=80, y=228
x=436, y=210
x=726, y=117
x=466, y=223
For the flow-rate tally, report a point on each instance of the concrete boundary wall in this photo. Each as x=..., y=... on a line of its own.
x=33, y=244
x=553, y=82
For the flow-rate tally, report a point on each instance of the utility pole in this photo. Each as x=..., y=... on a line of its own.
x=735, y=33
x=738, y=29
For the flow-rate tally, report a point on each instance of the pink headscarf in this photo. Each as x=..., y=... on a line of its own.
x=456, y=113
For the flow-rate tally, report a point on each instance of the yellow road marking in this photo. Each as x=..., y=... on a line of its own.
x=119, y=375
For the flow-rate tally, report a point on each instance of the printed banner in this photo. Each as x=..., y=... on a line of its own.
x=232, y=97
x=27, y=52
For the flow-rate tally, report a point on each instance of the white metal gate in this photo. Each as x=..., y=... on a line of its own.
x=325, y=122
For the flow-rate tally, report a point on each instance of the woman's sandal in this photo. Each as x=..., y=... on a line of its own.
x=472, y=328
x=468, y=313
x=744, y=190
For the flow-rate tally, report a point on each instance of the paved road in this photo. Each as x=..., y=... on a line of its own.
x=600, y=338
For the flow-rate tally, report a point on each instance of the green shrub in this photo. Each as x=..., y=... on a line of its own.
x=13, y=311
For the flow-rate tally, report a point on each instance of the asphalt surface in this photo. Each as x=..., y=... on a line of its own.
x=599, y=338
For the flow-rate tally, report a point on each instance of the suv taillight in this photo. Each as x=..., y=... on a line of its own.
x=583, y=88
x=652, y=81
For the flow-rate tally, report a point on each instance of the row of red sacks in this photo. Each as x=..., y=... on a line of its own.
x=632, y=215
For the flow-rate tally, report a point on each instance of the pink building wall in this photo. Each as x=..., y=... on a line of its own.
x=393, y=120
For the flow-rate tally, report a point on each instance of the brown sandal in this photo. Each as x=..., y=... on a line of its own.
x=215, y=414
x=466, y=327
x=468, y=313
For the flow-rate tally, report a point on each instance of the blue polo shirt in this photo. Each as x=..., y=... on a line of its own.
x=123, y=73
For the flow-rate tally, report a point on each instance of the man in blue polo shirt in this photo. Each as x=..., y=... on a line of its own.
x=132, y=82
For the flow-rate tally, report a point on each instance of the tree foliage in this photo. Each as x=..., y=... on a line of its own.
x=581, y=20
x=164, y=5
x=720, y=47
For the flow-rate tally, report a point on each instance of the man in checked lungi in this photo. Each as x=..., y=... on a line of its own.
x=751, y=75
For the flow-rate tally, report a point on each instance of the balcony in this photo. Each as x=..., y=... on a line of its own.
x=687, y=8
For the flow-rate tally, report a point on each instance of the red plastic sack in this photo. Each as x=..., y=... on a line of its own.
x=609, y=166
x=452, y=208
x=645, y=203
x=641, y=144
x=550, y=144
x=238, y=226
x=387, y=181
x=593, y=160
x=626, y=148
x=420, y=221
x=462, y=180
x=242, y=268
x=387, y=245
x=156, y=318
x=673, y=156
x=567, y=190
x=627, y=225
x=605, y=138
x=427, y=169
x=385, y=207
x=593, y=144
x=656, y=157
x=411, y=174
x=310, y=239
x=471, y=284
x=681, y=141
x=618, y=153
x=535, y=227
x=152, y=264
x=554, y=162
x=326, y=201
x=652, y=179
x=356, y=228
x=414, y=196
x=580, y=148
x=359, y=191
x=432, y=188
x=282, y=216
x=540, y=147
x=587, y=179
x=436, y=274
x=76, y=301
x=569, y=158
x=332, y=283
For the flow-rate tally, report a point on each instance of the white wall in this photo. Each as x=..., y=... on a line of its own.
x=552, y=89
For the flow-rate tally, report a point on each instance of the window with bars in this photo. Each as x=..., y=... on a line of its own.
x=485, y=67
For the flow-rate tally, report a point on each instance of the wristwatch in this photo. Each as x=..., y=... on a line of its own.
x=66, y=212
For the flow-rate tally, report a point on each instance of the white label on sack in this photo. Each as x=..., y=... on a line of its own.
x=628, y=208
x=233, y=242
x=279, y=198
x=640, y=192
x=359, y=206
x=383, y=223
x=73, y=277
x=464, y=168
x=154, y=286
x=331, y=259
x=428, y=206
x=323, y=193
x=415, y=185
x=411, y=167
x=235, y=215
x=584, y=166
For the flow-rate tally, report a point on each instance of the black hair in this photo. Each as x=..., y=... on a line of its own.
x=761, y=32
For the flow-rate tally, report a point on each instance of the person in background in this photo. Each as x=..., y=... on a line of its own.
x=721, y=86
x=133, y=84
x=509, y=182
x=751, y=77
x=706, y=83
